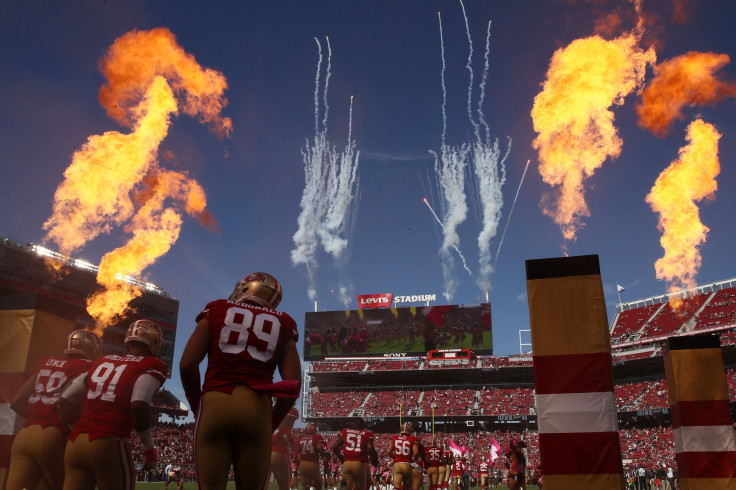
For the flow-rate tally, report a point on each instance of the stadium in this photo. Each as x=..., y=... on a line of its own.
x=452, y=389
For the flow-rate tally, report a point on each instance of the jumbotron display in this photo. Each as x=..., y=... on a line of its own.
x=409, y=331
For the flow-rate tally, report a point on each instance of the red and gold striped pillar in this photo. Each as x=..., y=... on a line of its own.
x=573, y=376
x=701, y=417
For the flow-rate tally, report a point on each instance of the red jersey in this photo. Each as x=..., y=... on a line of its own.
x=458, y=468
x=282, y=440
x=308, y=447
x=51, y=377
x=110, y=381
x=484, y=467
x=447, y=456
x=432, y=456
x=245, y=344
x=355, y=444
x=403, y=448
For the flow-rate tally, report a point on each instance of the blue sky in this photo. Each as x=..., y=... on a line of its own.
x=387, y=55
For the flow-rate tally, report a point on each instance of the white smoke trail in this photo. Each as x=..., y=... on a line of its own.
x=511, y=211
x=469, y=66
x=331, y=190
x=444, y=87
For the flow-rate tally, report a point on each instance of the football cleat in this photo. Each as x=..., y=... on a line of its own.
x=406, y=428
x=83, y=343
x=259, y=288
x=146, y=332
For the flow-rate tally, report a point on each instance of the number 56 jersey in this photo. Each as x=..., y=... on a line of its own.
x=113, y=381
x=245, y=344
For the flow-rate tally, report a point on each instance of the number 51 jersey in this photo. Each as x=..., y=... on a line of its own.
x=110, y=381
x=245, y=344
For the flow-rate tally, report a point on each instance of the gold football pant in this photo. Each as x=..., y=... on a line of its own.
x=37, y=455
x=233, y=429
x=105, y=461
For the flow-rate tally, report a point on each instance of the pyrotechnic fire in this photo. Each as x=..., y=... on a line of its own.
x=114, y=178
x=574, y=122
x=690, y=178
x=685, y=80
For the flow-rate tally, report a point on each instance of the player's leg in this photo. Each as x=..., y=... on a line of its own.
x=112, y=464
x=351, y=475
x=280, y=469
x=24, y=470
x=53, y=444
x=212, y=448
x=251, y=437
x=78, y=472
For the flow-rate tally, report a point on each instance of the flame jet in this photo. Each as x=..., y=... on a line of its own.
x=686, y=80
x=574, y=122
x=689, y=179
x=114, y=178
x=331, y=190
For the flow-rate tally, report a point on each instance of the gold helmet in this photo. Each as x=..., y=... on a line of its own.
x=310, y=429
x=406, y=428
x=146, y=332
x=83, y=343
x=259, y=288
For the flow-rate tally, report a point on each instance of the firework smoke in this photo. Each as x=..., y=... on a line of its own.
x=331, y=189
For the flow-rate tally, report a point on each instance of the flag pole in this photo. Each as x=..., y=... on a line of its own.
x=400, y=412
x=433, y=424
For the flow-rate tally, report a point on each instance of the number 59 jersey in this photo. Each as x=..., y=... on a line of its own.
x=112, y=383
x=245, y=344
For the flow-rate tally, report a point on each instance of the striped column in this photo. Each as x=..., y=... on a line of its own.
x=701, y=417
x=573, y=377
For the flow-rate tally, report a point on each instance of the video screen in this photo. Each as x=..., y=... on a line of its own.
x=413, y=330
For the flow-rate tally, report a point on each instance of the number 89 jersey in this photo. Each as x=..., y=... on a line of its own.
x=245, y=344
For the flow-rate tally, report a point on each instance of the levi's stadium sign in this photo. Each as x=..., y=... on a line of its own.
x=375, y=300
x=384, y=300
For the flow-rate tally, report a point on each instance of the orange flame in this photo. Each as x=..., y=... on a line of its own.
x=574, y=122
x=114, y=179
x=136, y=58
x=690, y=178
x=685, y=80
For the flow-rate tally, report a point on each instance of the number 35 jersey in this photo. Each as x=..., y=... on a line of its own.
x=245, y=344
x=111, y=381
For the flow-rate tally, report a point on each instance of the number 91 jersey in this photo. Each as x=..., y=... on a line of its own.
x=111, y=381
x=245, y=344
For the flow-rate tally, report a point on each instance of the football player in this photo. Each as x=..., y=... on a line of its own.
x=244, y=339
x=357, y=450
x=116, y=394
x=404, y=450
x=38, y=448
x=173, y=473
x=310, y=446
x=282, y=442
x=433, y=459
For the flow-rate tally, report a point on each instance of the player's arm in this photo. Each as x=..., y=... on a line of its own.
x=194, y=352
x=20, y=400
x=390, y=450
x=337, y=445
x=290, y=368
x=372, y=453
x=140, y=403
x=72, y=399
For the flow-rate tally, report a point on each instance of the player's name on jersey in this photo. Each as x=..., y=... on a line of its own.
x=55, y=362
x=128, y=358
